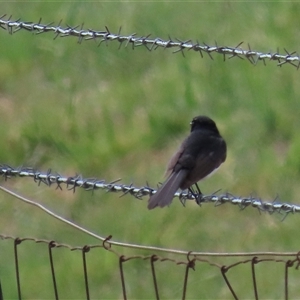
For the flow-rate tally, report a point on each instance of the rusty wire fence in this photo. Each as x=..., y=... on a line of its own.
x=185, y=265
x=149, y=257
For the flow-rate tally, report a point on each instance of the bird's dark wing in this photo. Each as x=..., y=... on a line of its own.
x=165, y=193
x=174, y=159
x=208, y=159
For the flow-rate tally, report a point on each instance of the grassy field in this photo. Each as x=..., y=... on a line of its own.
x=115, y=113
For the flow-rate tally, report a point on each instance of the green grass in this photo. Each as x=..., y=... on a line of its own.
x=109, y=113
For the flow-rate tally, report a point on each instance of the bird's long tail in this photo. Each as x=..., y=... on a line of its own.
x=165, y=193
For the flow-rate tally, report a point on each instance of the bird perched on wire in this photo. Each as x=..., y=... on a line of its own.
x=201, y=153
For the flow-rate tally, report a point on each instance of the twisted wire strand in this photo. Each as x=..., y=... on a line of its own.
x=91, y=184
x=291, y=58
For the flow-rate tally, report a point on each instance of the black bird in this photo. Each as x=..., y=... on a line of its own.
x=202, y=152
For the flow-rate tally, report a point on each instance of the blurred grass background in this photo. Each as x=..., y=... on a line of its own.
x=109, y=113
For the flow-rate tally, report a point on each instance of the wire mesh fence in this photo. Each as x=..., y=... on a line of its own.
x=184, y=265
x=184, y=262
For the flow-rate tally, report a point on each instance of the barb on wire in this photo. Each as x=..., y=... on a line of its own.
x=78, y=181
x=178, y=45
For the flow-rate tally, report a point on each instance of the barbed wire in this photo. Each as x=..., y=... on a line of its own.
x=291, y=58
x=190, y=262
x=92, y=184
